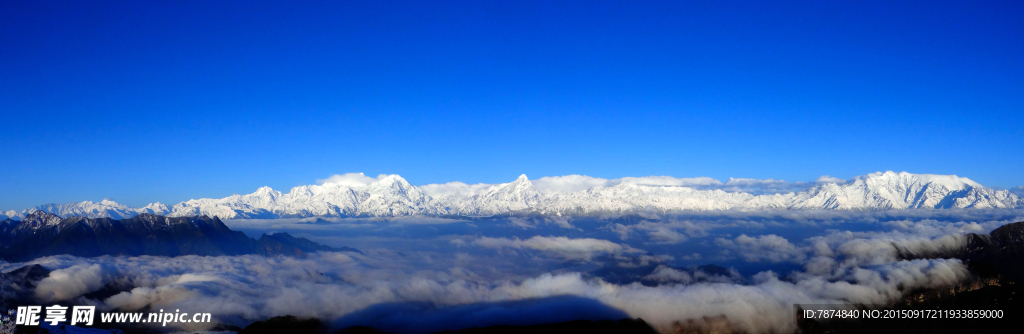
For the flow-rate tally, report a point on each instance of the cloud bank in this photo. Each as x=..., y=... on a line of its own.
x=770, y=247
x=471, y=268
x=328, y=286
x=570, y=249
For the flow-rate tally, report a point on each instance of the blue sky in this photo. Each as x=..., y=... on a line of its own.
x=143, y=102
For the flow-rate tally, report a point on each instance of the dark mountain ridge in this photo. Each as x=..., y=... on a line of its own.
x=43, y=234
x=994, y=261
x=999, y=252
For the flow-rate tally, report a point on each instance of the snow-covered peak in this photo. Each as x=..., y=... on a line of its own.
x=394, y=186
x=106, y=208
x=11, y=214
x=391, y=195
x=39, y=218
x=575, y=183
x=265, y=191
x=390, y=181
x=515, y=196
x=904, y=179
x=520, y=190
x=156, y=209
x=891, y=190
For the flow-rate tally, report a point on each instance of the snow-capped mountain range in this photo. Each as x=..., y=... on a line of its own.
x=356, y=195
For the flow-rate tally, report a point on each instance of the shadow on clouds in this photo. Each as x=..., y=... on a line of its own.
x=424, y=317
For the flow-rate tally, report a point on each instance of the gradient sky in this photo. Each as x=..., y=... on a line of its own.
x=145, y=101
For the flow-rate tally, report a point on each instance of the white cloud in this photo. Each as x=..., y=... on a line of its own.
x=666, y=274
x=241, y=289
x=572, y=249
x=763, y=186
x=770, y=247
x=820, y=266
x=11, y=214
x=750, y=183
x=64, y=284
x=829, y=179
x=569, y=183
x=839, y=267
x=349, y=179
x=671, y=181
x=140, y=297
x=664, y=232
x=906, y=238
x=456, y=189
x=874, y=251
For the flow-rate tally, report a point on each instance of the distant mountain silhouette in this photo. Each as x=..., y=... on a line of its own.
x=43, y=234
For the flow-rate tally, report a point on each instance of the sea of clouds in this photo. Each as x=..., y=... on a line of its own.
x=420, y=275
